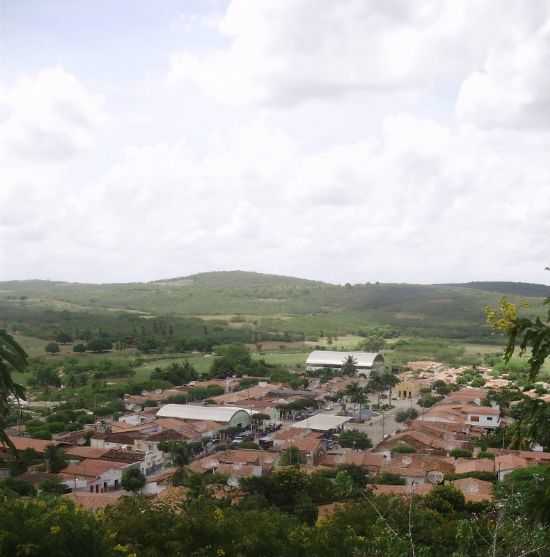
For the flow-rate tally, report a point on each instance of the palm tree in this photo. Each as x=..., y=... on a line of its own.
x=376, y=385
x=390, y=380
x=356, y=394
x=12, y=358
x=350, y=366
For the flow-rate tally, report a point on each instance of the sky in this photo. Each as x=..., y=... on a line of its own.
x=346, y=141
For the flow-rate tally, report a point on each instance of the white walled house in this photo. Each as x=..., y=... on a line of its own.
x=94, y=475
x=483, y=416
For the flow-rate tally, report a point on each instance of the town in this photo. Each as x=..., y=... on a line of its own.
x=407, y=432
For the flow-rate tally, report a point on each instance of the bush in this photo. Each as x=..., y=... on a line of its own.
x=461, y=453
x=79, y=347
x=386, y=478
x=403, y=448
x=52, y=348
x=20, y=487
x=406, y=415
x=355, y=440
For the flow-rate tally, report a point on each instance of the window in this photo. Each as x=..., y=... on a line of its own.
x=474, y=418
x=489, y=419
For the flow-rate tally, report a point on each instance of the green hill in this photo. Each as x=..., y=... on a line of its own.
x=272, y=302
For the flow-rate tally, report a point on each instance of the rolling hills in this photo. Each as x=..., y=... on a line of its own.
x=272, y=302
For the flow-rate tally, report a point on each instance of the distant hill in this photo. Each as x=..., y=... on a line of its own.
x=515, y=288
x=277, y=303
x=239, y=279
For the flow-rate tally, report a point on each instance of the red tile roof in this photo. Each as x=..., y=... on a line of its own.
x=92, y=468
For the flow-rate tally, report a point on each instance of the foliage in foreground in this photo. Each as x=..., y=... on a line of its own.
x=441, y=523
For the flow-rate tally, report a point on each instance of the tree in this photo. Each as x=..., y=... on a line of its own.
x=55, y=459
x=12, y=358
x=522, y=332
x=291, y=457
x=99, y=345
x=63, y=338
x=133, y=480
x=52, y=348
x=79, y=348
x=376, y=385
x=354, y=440
x=180, y=451
x=373, y=343
x=390, y=380
x=350, y=366
x=356, y=394
x=53, y=486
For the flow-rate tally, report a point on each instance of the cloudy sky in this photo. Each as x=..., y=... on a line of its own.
x=349, y=140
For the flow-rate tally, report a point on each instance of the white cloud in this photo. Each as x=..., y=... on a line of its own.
x=348, y=157
x=290, y=51
x=513, y=89
x=48, y=116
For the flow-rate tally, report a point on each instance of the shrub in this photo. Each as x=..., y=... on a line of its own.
x=386, y=478
x=461, y=453
x=403, y=448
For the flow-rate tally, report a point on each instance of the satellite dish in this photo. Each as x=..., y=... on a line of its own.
x=435, y=477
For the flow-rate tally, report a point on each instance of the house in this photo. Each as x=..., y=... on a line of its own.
x=236, y=464
x=310, y=443
x=468, y=465
x=371, y=462
x=418, y=468
x=365, y=362
x=94, y=475
x=24, y=443
x=402, y=490
x=474, y=490
x=507, y=463
x=487, y=417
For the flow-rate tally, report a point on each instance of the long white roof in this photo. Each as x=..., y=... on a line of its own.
x=194, y=412
x=322, y=422
x=331, y=357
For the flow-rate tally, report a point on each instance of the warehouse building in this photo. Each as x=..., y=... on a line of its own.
x=228, y=416
x=365, y=362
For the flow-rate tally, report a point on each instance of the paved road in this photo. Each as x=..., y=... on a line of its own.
x=377, y=427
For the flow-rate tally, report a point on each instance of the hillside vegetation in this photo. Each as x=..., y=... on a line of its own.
x=245, y=300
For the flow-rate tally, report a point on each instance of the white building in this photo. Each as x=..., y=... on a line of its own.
x=229, y=416
x=483, y=416
x=365, y=362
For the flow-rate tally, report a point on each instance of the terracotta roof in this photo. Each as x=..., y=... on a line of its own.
x=482, y=410
x=402, y=490
x=127, y=457
x=92, y=468
x=531, y=456
x=509, y=462
x=166, y=435
x=22, y=443
x=94, y=501
x=359, y=458
x=85, y=452
x=288, y=433
x=37, y=477
x=162, y=476
x=247, y=456
x=474, y=490
x=465, y=465
x=306, y=444
x=120, y=437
